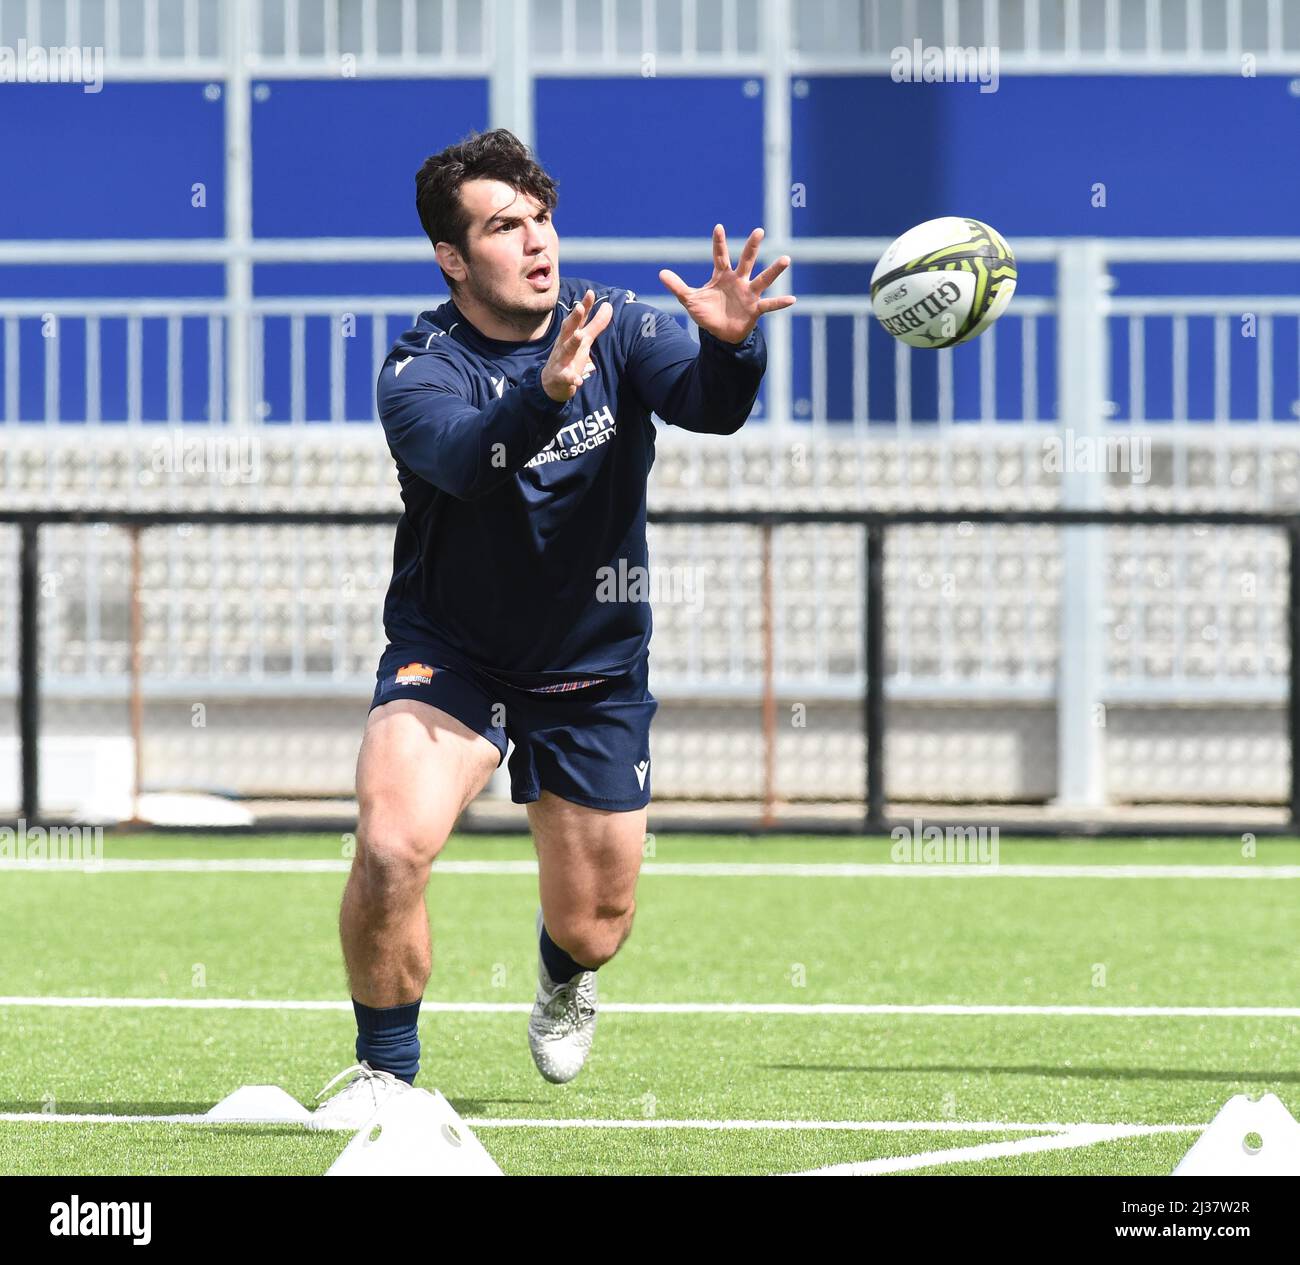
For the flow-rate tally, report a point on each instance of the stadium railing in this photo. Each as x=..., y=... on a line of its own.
x=854, y=451
x=309, y=37
x=967, y=427
x=1079, y=712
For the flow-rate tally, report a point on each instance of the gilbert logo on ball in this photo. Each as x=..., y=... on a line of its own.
x=943, y=282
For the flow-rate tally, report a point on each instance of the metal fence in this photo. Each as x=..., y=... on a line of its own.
x=1078, y=720
x=193, y=38
x=101, y=399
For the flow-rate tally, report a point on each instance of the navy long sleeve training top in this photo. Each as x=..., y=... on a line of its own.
x=519, y=508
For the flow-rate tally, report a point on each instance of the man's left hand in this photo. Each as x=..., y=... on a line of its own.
x=728, y=305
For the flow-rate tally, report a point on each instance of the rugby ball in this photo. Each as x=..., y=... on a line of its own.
x=943, y=282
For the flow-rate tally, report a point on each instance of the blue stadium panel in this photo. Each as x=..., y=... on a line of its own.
x=1180, y=156
x=1271, y=277
x=112, y=281
x=1026, y=158
x=1248, y=391
x=337, y=158
x=1009, y=403
x=323, y=338
x=141, y=148
x=657, y=157
x=114, y=396
x=421, y=280
x=118, y=163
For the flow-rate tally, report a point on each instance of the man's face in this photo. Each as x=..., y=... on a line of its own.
x=513, y=264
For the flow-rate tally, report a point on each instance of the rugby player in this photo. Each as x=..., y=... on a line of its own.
x=519, y=417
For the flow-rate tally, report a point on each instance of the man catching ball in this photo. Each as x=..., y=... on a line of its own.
x=519, y=416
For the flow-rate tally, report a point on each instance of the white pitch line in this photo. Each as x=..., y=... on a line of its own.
x=965, y=870
x=52, y=1117
x=774, y=1126
x=122, y=865
x=848, y=1008
x=1079, y=1135
x=674, y=1008
x=845, y=1126
x=682, y=869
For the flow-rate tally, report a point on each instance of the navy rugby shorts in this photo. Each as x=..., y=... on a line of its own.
x=587, y=743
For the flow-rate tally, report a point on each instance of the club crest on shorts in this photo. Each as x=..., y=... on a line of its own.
x=414, y=674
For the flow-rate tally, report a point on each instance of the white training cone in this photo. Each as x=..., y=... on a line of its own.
x=1249, y=1137
x=415, y=1135
x=260, y=1104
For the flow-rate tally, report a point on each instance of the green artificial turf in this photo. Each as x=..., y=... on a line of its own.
x=1041, y=941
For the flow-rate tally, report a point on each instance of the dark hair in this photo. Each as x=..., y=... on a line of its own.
x=496, y=155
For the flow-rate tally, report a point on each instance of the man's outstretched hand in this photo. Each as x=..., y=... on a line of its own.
x=571, y=352
x=728, y=304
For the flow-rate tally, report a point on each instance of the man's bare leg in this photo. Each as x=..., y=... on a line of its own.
x=588, y=862
x=418, y=769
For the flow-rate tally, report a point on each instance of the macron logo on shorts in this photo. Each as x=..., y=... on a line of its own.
x=414, y=674
x=641, y=770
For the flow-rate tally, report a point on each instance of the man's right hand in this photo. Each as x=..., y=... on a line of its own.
x=562, y=373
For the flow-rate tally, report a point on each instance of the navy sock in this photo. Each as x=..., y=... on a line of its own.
x=559, y=965
x=387, y=1038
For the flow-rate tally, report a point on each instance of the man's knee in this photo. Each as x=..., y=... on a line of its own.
x=596, y=936
x=417, y=770
x=393, y=859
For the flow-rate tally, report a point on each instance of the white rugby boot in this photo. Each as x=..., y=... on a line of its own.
x=359, y=1101
x=563, y=1022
